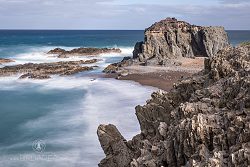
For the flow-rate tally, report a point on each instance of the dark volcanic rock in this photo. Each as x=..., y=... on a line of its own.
x=203, y=121
x=44, y=70
x=83, y=52
x=170, y=39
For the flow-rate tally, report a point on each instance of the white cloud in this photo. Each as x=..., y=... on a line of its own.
x=112, y=14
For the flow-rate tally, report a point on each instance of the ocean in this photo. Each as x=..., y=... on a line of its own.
x=63, y=113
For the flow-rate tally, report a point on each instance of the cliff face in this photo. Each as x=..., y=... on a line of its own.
x=203, y=121
x=170, y=39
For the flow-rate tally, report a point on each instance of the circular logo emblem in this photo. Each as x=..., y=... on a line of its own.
x=38, y=146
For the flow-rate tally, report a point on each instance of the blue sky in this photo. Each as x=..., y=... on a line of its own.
x=120, y=14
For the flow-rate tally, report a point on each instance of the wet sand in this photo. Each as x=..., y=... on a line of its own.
x=161, y=80
x=161, y=77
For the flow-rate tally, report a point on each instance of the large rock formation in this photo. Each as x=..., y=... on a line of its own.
x=203, y=121
x=170, y=39
x=82, y=52
x=45, y=70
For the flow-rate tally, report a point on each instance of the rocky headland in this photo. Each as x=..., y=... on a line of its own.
x=203, y=121
x=82, y=52
x=167, y=42
x=171, y=50
x=171, y=39
x=45, y=70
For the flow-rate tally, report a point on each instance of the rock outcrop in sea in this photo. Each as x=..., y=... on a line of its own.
x=83, y=52
x=45, y=70
x=203, y=121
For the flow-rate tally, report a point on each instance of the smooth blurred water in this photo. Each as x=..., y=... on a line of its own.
x=64, y=112
x=236, y=36
x=16, y=41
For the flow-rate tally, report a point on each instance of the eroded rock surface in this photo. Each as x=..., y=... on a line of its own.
x=114, y=146
x=83, y=52
x=203, y=121
x=170, y=39
x=113, y=68
x=45, y=70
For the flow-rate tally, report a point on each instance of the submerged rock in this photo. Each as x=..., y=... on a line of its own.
x=45, y=70
x=203, y=121
x=83, y=52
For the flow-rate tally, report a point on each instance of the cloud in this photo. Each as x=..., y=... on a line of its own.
x=114, y=14
x=234, y=1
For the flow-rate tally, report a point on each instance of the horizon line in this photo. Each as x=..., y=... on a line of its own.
x=81, y=29
x=94, y=29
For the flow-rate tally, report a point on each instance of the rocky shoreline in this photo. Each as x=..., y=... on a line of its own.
x=45, y=70
x=204, y=120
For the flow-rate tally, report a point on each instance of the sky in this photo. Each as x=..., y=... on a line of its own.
x=121, y=14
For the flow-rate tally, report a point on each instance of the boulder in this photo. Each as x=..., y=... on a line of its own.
x=115, y=67
x=114, y=146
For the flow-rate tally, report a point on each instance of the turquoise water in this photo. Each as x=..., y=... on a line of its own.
x=64, y=112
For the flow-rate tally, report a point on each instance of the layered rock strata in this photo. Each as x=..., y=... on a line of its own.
x=82, y=52
x=45, y=70
x=171, y=39
x=203, y=121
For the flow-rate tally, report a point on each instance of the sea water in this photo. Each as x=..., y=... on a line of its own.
x=62, y=114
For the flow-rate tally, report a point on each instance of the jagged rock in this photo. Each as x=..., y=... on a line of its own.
x=115, y=67
x=82, y=52
x=2, y=60
x=170, y=39
x=112, y=68
x=114, y=146
x=44, y=70
x=203, y=121
x=137, y=50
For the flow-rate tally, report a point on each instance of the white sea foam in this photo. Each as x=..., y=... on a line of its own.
x=39, y=55
x=73, y=127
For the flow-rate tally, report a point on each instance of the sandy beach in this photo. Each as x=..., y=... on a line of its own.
x=158, y=76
